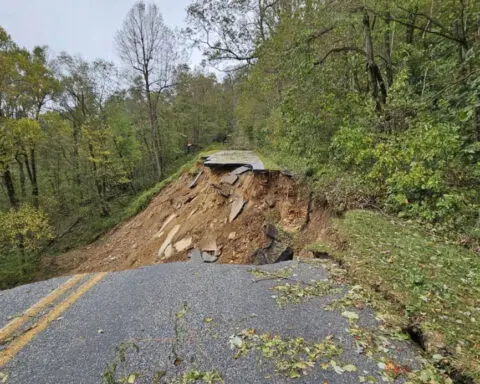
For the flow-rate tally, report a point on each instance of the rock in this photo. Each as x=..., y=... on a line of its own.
x=169, y=251
x=208, y=244
x=158, y=235
x=169, y=219
x=195, y=256
x=195, y=181
x=229, y=179
x=259, y=257
x=237, y=207
x=286, y=255
x=209, y=258
x=271, y=231
x=183, y=244
x=232, y=236
x=241, y=170
x=168, y=240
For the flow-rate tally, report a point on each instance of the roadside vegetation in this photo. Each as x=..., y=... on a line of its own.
x=429, y=286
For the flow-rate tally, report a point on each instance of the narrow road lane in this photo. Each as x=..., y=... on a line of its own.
x=190, y=319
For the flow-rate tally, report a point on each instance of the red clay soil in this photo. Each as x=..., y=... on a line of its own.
x=201, y=213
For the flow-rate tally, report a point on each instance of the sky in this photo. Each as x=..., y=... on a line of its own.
x=83, y=27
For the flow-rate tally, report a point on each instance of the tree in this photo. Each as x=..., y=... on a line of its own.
x=148, y=46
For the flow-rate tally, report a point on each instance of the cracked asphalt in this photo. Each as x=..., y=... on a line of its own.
x=181, y=316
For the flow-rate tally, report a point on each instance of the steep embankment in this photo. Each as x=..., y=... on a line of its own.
x=186, y=218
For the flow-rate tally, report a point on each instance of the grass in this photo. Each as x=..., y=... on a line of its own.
x=269, y=164
x=434, y=286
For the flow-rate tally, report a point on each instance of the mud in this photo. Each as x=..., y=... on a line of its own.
x=181, y=218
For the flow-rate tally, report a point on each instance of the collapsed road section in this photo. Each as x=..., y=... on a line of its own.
x=229, y=209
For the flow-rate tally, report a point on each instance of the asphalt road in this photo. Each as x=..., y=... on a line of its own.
x=189, y=320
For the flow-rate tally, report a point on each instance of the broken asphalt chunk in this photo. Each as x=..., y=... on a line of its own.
x=229, y=179
x=209, y=258
x=241, y=170
x=237, y=207
x=195, y=181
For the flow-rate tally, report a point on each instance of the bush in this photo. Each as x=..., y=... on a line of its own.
x=22, y=233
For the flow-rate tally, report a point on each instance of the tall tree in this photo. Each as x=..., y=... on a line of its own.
x=148, y=46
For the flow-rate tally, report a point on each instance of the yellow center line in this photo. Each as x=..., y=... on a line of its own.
x=19, y=343
x=35, y=309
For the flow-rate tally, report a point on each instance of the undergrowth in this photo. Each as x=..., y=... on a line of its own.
x=435, y=286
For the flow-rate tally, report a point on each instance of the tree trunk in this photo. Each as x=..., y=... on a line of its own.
x=7, y=179
x=477, y=117
x=410, y=27
x=21, y=172
x=152, y=113
x=388, y=46
x=379, y=91
x=98, y=184
x=35, y=193
x=76, y=165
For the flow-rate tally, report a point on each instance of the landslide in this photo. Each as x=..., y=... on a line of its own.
x=198, y=215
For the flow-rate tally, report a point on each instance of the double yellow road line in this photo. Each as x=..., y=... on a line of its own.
x=18, y=343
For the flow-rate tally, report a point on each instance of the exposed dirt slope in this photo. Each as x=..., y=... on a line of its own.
x=201, y=213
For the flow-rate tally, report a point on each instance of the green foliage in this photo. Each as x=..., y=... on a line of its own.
x=22, y=234
x=291, y=357
x=434, y=284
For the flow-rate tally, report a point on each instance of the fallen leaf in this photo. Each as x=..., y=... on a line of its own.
x=350, y=315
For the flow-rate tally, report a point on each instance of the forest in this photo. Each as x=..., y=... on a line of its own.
x=375, y=103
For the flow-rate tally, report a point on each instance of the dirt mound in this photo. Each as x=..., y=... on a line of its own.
x=181, y=218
